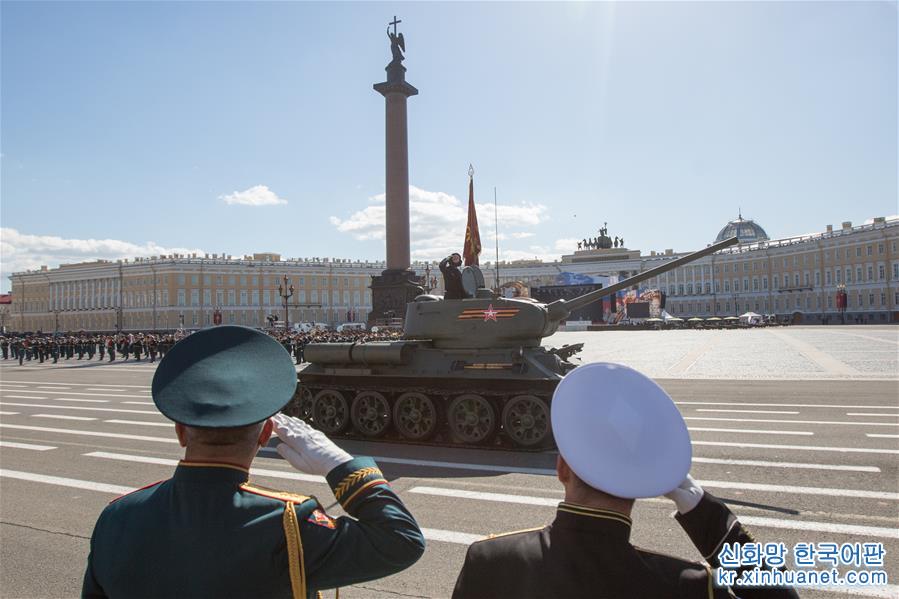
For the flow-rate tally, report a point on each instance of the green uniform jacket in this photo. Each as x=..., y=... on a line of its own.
x=206, y=532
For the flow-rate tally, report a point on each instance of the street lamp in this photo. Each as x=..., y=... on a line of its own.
x=56, y=331
x=285, y=290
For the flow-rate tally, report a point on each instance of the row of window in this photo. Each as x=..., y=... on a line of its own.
x=853, y=301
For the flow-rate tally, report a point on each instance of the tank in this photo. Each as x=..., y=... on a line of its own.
x=471, y=371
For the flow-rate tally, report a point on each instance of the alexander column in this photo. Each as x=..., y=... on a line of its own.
x=396, y=286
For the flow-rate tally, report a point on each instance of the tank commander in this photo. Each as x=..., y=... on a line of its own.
x=207, y=531
x=452, y=277
x=620, y=437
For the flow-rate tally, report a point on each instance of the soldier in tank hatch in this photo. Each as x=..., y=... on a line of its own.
x=452, y=277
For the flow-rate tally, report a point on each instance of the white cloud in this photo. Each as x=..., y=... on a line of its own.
x=437, y=221
x=20, y=251
x=258, y=195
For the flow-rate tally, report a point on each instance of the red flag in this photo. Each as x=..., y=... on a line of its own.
x=472, y=234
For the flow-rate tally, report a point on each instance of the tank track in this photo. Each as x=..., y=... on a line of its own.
x=497, y=393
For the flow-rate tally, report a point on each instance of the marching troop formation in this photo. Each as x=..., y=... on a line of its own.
x=149, y=345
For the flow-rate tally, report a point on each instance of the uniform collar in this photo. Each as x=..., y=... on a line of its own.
x=612, y=525
x=210, y=472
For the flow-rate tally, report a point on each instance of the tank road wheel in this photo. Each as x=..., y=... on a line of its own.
x=370, y=414
x=471, y=418
x=526, y=420
x=415, y=416
x=300, y=404
x=330, y=412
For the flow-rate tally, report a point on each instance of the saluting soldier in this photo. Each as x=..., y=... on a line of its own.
x=620, y=437
x=207, y=531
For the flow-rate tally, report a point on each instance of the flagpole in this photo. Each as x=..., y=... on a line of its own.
x=496, y=235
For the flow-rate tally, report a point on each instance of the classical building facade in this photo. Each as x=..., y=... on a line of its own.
x=797, y=278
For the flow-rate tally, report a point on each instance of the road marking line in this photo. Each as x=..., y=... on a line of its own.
x=744, y=411
x=779, y=421
x=31, y=446
x=124, y=457
x=830, y=492
x=781, y=405
x=874, y=531
x=798, y=447
x=88, y=394
x=21, y=397
x=66, y=482
x=110, y=389
x=76, y=384
x=849, y=529
x=451, y=536
x=81, y=400
x=16, y=386
x=869, y=414
x=143, y=423
x=747, y=431
x=67, y=431
x=8, y=413
x=38, y=405
x=764, y=464
x=62, y=417
x=552, y=471
x=877, y=436
x=140, y=403
x=40, y=387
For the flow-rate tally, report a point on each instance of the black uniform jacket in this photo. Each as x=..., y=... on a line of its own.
x=452, y=280
x=586, y=552
x=206, y=532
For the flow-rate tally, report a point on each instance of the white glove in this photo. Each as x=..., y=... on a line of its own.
x=687, y=495
x=307, y=449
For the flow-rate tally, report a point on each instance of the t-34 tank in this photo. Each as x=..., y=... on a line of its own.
x=470, y=371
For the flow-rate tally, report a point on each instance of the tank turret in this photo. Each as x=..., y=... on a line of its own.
x=470, y=371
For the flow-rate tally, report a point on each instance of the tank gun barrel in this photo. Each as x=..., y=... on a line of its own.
x=560, y=309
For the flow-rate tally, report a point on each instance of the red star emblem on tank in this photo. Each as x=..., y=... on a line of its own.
x=490, y=313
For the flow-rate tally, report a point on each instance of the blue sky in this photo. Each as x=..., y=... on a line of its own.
x=128, y=127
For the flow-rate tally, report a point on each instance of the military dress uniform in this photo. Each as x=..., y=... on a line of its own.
x=236, y=539
x=208, y=532
x=586, y=552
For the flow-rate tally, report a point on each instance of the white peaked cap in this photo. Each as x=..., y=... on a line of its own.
x=620, y=432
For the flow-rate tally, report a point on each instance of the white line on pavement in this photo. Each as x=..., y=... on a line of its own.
x=780, y=421
x=38, y=405
x=745, y=411
x=877, y=436
x=81, y=400
x=67, y=431
x=748, y=431
x=143, y=423
x=44, y=387
x=869, y=414
x=552, y=471
x=66, y=482
x=451, y=536
x=830, y=492
x=849, y=529
x=781, y=405
x=30, y=446
x=22, y=397
x=8, y=413
x=15, y=386
x=88, y=394
x=62, y=417
x=140, y=403
x=798, y=447
x=110, y=389
x=764, y=464
x=78, y=384
x=169, y=462
x=874, y=531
